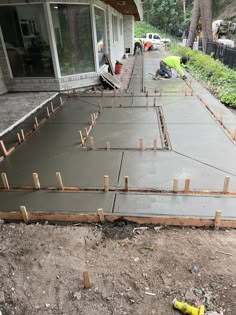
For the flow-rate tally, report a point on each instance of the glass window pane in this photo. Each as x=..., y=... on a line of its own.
x=115, y=28
x=72, y=27
x=101, y=35
x=121, y=27
x=26, y=40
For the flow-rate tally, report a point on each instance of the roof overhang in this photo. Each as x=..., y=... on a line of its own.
x=128, y=7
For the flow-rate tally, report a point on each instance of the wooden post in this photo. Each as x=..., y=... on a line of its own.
x=217, y=219
x=108, y=146
x=91, y=143
x=81, y=137
x=141, y=147
x=155, y=144
x=126, y=183
x=101, y=215
x=36, y=180
x=19, y=138
x=175, y=185
x=24, y=214
x=36, y=122
x=106, y=183
x=5, y=152
x=5, y=181
x=48, y=114
x=187, y=184
x=22, y=134
x=52, y=108
x=61, y=101
x=59, y=181
x=87, y=284
x=226, y=184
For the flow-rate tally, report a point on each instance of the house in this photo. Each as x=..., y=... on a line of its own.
x=60, y=45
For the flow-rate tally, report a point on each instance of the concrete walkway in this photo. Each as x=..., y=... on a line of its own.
x=153, y=138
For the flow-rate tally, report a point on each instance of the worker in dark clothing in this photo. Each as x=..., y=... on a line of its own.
x=138, y=45
x=172, y=62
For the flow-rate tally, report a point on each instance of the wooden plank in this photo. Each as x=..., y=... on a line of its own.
x=24, y=214
x=126, y=183
x=106, y=183
x=187, y=184
x=36, y=180
x=217, y=219
x=3, y=148
x=59, y=181
x=87, y=284
x=101, y=215
x=226, y=184
x=5, y=181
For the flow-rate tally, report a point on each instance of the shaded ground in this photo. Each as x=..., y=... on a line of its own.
x=131, y=271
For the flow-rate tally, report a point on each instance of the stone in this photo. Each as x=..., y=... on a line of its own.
x=77, y=295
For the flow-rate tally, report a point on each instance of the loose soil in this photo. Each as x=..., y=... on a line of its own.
x=132, y=271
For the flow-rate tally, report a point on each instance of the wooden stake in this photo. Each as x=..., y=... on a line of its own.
x=160, y=92
x=108, y=146
x=48, y=114
x=22, y=134
x=5, y=152
x=24, y=214
x=144, y=90
x=52, y=108
x=175, y=185
x=36, y=180
x=5, y=181
x=154, y=102
x=19, y=138
x=101, y=215
x=226, y=184
x=59, y=181
x=81, y=137
x=106, y=183
x=141, y=147
x=91, y=143
x=187, y=184
x=61, y=101
x=36, y=122
x=87, y=284
x=126, y=183
x=217, y=219
x=155, y=144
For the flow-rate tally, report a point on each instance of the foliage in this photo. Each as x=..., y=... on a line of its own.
x=141, y=28
x=219, y=77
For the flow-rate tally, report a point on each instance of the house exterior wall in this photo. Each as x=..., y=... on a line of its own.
x=129, y=33
x=115, y=48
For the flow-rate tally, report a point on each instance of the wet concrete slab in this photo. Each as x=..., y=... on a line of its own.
x=157, y=170
x=165, y=100
x=174, y=205
x=56, y=202
x=128, y=116
x=83, y=169
x=187, y=111
x=165, y=85
x=124, y=136
x=206, y=143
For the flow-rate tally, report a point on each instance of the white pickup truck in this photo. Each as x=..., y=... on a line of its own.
x=155, y=38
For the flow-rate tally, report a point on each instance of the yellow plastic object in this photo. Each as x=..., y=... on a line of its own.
x=185, y=308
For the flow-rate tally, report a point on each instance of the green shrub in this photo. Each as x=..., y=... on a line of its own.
x=219, y=77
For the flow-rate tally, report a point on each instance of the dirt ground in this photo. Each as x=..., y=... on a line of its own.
x=132, y=271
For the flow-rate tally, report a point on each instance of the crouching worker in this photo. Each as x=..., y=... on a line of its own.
x=138, y=45
x=172, y=62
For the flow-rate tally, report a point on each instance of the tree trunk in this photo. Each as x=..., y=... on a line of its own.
x=193, y=26
x=206, y=13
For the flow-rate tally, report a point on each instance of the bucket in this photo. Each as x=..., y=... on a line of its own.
x=118, y=67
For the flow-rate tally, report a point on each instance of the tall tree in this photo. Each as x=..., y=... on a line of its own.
x=206, y=14
x=193, y=26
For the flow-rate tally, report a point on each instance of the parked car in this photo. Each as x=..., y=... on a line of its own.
x=155, y=38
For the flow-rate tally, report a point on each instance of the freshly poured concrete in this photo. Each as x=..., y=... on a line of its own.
x=201, y=152
x=156, y=170
x=56, y=202
x=80, y=169
x=173, y=205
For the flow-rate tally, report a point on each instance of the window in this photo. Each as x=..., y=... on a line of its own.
x=150, y=36
x=101, y=35
x=115, y=28
x=121, y=27
x=72, y=27
x=26, y=40
x=156, y=37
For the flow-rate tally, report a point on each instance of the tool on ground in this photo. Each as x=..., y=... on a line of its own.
x=186, y=308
